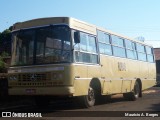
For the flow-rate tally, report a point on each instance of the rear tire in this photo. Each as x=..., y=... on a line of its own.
x=135, y=94
x=136, y=90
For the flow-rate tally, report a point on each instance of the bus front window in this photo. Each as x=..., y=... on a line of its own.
x=43, y=45
x=22, y=47
x=53, y=45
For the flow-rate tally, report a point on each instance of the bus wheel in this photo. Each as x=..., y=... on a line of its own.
x=133, y=95
x=136, y=91
x=89, y=99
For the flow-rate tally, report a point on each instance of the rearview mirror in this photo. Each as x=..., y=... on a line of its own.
x=76, y=37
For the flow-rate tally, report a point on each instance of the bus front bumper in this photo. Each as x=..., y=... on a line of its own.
x=52, y=91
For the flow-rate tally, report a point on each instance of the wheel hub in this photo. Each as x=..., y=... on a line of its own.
x=90, y=95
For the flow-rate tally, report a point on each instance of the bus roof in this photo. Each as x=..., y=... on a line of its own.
x=71, y=22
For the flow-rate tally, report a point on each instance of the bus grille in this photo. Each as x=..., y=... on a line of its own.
x=33, y=84
x=34, y=77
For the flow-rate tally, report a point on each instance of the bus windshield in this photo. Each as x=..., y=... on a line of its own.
x=44, y=45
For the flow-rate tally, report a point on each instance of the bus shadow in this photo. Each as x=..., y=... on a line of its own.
x=155, y=107
x=58, y=108
x=73, y=105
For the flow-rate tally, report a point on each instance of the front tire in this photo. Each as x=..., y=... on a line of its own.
x=88, y=100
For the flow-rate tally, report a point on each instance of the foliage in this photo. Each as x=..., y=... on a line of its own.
x=4, y=54
x=5, y=41
x=2, y=65
x=5, y=48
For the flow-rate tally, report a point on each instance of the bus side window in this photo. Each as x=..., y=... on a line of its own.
x=130, y=49
x=141, y=52
x=118, y=46
x=88, y=50
x=150, y=56
x=104, y=43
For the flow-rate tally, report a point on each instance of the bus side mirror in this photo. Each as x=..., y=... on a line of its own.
x=76, y=37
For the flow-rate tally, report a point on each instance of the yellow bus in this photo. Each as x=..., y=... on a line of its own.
x=66, y=57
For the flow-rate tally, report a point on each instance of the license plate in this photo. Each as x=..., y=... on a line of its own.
x=30, y=91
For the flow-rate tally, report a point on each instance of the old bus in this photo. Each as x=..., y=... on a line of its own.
x=62, y=56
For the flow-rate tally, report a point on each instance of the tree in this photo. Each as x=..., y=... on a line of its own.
x=2, y=65
x=5, y=41
x=10, y=28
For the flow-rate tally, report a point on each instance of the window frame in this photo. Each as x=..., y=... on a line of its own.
x=150, y=54
x=133, y=49
x=117, y=46
x=141, y=52
x=79, y=51
x=104, y=43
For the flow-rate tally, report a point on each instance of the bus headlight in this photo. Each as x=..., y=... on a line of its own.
x=13, y=77
x=57, y=76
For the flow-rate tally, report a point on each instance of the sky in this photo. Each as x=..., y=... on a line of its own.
x=132, y=18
